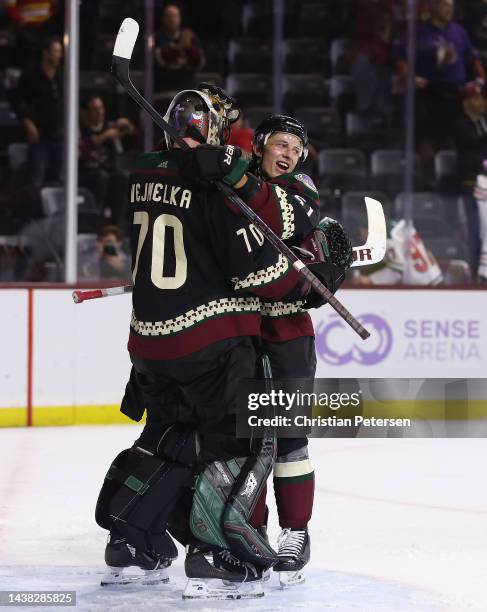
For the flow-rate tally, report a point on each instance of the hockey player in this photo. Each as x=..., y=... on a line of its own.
x=279, y=146
x=190, y=337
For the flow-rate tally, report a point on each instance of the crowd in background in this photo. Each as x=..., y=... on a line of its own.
x=345, y=72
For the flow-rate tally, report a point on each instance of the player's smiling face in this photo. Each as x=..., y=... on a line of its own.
x=281, y=154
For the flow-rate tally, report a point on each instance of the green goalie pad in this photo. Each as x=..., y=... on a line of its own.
x=224, y=498
x=226, y=494
x=245, y=542
x=212, y=489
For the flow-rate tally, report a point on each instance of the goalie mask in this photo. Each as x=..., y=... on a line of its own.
x=281, y=123
x=199, y=115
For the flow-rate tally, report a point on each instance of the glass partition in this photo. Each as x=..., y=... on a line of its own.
x=346, y=70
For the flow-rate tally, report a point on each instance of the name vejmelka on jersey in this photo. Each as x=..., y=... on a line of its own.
x=160, y=193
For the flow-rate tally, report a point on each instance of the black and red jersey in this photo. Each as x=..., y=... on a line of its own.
x=189, y=253
x=284, y=317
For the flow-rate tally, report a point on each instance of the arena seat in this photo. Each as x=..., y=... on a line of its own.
x=304, y=90
x=323, y=125
x=306, y=55
x=250, y=89
x=249, y=55
x=343, y=169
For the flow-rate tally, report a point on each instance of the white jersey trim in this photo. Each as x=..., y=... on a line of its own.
x=281, y=309
x=287, y=213
x=197, y=315
x=267, y=275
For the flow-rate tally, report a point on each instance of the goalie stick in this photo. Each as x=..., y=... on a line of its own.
x=80, y=295
x=122, y=53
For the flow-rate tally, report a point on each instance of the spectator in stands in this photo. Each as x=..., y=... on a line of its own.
x=34, y=20
x=178, y=52
x=445, y=60
x=39, y=105
x=100, y=143
x=470, y=136
x=371, y=52
x=108, y=260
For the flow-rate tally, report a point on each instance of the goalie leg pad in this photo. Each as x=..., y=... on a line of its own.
x=139, y=493
x=226, y=495
x=212, y=490
x=219, y=518
x=245, y=542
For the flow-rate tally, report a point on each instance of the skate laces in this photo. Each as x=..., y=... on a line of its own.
x=244, y=566
x=290, y=543
x=227, y=556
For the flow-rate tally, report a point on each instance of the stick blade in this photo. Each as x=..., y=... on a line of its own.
x=374, y=249
x=375, y=214
x=126, y=38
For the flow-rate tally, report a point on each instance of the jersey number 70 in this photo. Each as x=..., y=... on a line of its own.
x=158, y=245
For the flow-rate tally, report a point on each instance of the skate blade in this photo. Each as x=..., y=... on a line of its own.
x=157, y=576
x=287, y=579
x=216, y=589
x=116, y=577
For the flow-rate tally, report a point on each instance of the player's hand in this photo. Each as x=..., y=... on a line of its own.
x=330, y=275
x=232, y=112
x=330, y=255
x=207, y=163
x=337, y=248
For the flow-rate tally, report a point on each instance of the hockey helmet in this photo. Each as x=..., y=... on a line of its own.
x=281, y=123
x=193, y=114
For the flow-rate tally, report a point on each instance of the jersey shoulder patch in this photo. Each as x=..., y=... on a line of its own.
x=306, y=180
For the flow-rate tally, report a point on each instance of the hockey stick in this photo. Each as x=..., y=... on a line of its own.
x=91, y=294
x=122, y=53
x=366, y=255
x=374, y=249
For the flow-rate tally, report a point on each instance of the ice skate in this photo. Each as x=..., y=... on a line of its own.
x=119, y=576
x=128, y=566
x=266, y=573
x=293, y=553
x=226, y=578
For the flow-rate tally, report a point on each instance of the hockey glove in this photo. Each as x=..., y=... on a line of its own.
x=212, y=163
x=329, y=252
x=219, y=98
x=331, y=276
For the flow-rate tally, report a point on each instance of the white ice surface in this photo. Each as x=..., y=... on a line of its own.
x=397, y=525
